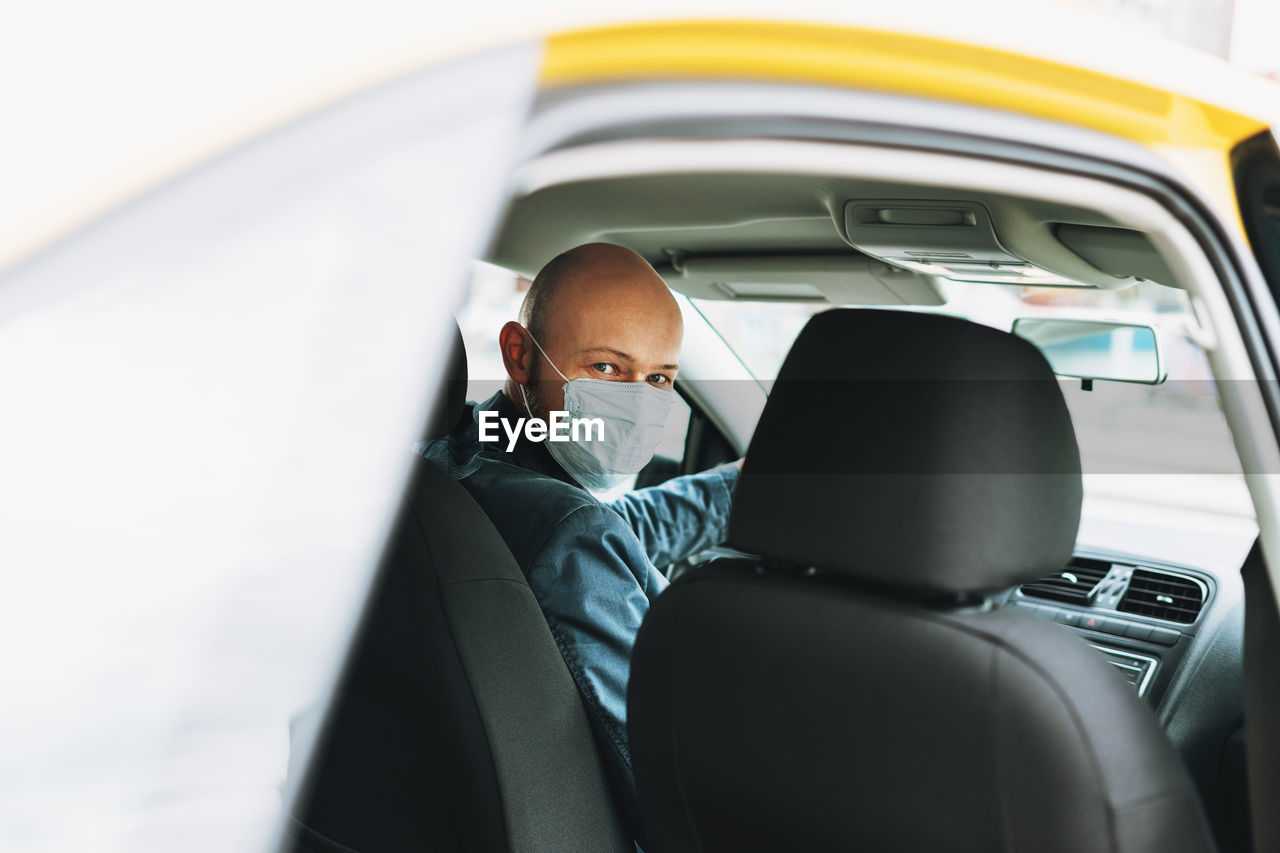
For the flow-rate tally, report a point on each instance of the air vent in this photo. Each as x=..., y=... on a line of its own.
x=1075, y=583
x=1176, y=598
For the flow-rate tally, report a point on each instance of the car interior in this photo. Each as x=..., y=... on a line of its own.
x=941, y=657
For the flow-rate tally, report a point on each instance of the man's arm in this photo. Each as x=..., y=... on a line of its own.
x=682, y=516
x=594, y=584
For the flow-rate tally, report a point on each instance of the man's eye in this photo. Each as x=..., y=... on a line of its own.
x=659, y=379
x=605, y=368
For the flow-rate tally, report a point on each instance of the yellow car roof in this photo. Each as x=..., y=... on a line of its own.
x=100, y=111
x=898, y=63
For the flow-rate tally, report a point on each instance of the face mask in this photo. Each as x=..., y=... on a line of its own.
x=634, y=416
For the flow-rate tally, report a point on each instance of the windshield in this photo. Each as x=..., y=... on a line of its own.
x=1158, y=455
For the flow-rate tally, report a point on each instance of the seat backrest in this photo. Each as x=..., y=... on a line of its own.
x=770, y=712
x=851, y=688
x=457, y=725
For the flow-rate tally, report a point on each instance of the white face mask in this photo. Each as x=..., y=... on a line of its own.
x=634, y=415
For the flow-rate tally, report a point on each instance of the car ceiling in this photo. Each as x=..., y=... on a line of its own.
x=743, y=216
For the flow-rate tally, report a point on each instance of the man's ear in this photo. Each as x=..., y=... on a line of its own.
x=517, y=352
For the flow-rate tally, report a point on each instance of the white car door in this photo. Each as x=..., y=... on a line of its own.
x=209, y=400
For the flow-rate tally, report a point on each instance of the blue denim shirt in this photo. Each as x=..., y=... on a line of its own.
x=592, y=566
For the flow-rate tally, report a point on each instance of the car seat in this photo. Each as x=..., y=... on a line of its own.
x=852, y=686
x=457, y=725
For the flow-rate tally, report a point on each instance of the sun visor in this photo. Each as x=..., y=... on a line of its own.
x=947, y=239
x=838, y=279
x=1117, y=251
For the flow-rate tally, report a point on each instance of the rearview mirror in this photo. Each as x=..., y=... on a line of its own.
x=1096, y=349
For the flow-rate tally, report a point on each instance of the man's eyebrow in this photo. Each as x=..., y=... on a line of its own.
x=620, y=355
x=617, y=353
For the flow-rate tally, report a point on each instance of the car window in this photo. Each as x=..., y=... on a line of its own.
x=493, y=297
x=1152, y=454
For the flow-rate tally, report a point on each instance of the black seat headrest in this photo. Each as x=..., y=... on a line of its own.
x=451, y=399
x=912, y=450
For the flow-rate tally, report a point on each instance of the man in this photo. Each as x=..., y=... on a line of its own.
x=599, y=337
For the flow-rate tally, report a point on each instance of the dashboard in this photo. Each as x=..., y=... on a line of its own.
x=1142, y=614
x=1165, y=606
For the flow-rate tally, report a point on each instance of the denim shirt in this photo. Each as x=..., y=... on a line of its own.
x=592, y=566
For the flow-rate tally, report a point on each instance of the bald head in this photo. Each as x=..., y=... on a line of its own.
x=590, y=272
x=599, y=311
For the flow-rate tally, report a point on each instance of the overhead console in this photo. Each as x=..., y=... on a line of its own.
x=843, y=279
x=956, y=239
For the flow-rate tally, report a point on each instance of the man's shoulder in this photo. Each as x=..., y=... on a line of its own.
x=530, y=509
x=505, y=484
